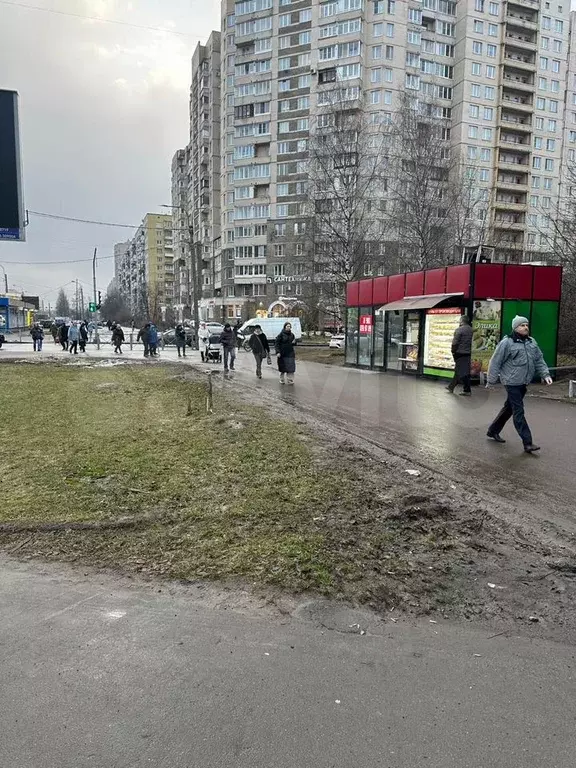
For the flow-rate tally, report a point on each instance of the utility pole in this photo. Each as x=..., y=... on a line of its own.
x=81, y=302
x=76, y=299
x=95, y=299
x=5, y=280
x=195, y=281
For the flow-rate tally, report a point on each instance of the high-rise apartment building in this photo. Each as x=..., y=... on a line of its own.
x=204, y=169
x=182, y=251
x=493, y=75
x=146, y=273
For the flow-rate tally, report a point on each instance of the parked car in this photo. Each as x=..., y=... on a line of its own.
x=338, y=341
x=271, y=326
x=169, y=337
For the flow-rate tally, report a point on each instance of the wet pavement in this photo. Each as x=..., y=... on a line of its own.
x=99, y=672
x=419, y=420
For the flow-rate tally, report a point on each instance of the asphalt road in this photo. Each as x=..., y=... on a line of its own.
x=101, y=673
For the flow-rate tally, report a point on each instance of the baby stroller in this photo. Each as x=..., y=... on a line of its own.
x=213, y=349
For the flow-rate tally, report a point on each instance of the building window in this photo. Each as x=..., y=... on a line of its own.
x=476, y=68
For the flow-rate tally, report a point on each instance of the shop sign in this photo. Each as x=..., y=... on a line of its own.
x=366, y=324
x=445, y=311
x=439, y=332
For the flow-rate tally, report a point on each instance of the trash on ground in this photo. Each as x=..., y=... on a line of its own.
x=413, y=472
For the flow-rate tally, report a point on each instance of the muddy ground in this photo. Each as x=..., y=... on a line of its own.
x=403, y=539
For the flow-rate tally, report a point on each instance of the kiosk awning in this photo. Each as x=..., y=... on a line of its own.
x=419, y=302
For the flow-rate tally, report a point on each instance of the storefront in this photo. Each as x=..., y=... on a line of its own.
x=405, y=323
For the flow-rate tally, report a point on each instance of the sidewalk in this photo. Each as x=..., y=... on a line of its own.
x=99, y=672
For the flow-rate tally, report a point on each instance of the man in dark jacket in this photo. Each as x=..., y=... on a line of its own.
x=228, y=341
x=83, y=340
x=260, y=347
x=462, y=354
x=63, y=336
x=180, y=336
x=37, y=337
x=144, y=336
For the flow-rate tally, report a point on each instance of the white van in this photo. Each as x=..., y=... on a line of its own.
x=271, y=326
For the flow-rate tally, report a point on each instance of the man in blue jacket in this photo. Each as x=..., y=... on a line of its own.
x=515, y=363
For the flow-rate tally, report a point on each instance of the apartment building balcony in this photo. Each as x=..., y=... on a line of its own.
x=519, y=143
x=519, y=40
x=511, y=222
x=509, y=161
x=524, y=20
x=518, y=5
x=516, y=100
x=516, y=122
x=519, y=60
x=518, y=80
x=510, y=202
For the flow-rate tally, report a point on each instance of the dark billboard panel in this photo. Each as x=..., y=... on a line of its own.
x=11, y=199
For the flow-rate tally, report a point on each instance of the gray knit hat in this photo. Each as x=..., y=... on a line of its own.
x=519, y=320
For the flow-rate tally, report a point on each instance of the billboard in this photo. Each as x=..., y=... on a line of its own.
x=11, y=198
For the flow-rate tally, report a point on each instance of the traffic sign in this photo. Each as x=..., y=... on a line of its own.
x=92, y=307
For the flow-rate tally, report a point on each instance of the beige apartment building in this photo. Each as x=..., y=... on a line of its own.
x=146, y=269
x=496, y=74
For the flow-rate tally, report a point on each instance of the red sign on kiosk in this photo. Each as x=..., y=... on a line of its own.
x=366, y=324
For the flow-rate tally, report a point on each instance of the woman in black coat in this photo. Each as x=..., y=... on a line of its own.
x=285, y=353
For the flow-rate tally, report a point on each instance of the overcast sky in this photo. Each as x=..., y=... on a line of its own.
x=103, y=108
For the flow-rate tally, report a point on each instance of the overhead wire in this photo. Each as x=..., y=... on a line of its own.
x=98, y=18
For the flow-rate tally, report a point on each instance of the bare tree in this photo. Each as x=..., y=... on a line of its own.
x=62, y=304
x=346, y=196
x=433, y=197
x=557, y=229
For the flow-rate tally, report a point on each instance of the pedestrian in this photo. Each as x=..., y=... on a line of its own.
x=91, y=328
x=117, y=339
x=285, y=353
x=83, y=336
x=73, y=338
x=37, y=337
x=228, y=341
x=516, y=361
x=260, y=347
x=153, y=340
x=237, y=336
x=54, y=332
x=462, y=354
x=63, y=336
x=180, y=334
x=144, y=336
x=203, y=336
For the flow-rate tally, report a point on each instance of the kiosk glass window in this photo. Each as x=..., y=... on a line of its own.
x=411, y=343
x=379, y=338
x=366, y=328
x=394, y=334
x=352, y=335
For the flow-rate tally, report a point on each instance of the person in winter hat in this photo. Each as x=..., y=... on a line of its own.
x=516, y=361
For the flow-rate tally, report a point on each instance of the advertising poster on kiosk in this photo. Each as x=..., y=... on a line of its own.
x=486, y=322
x=440, y=327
